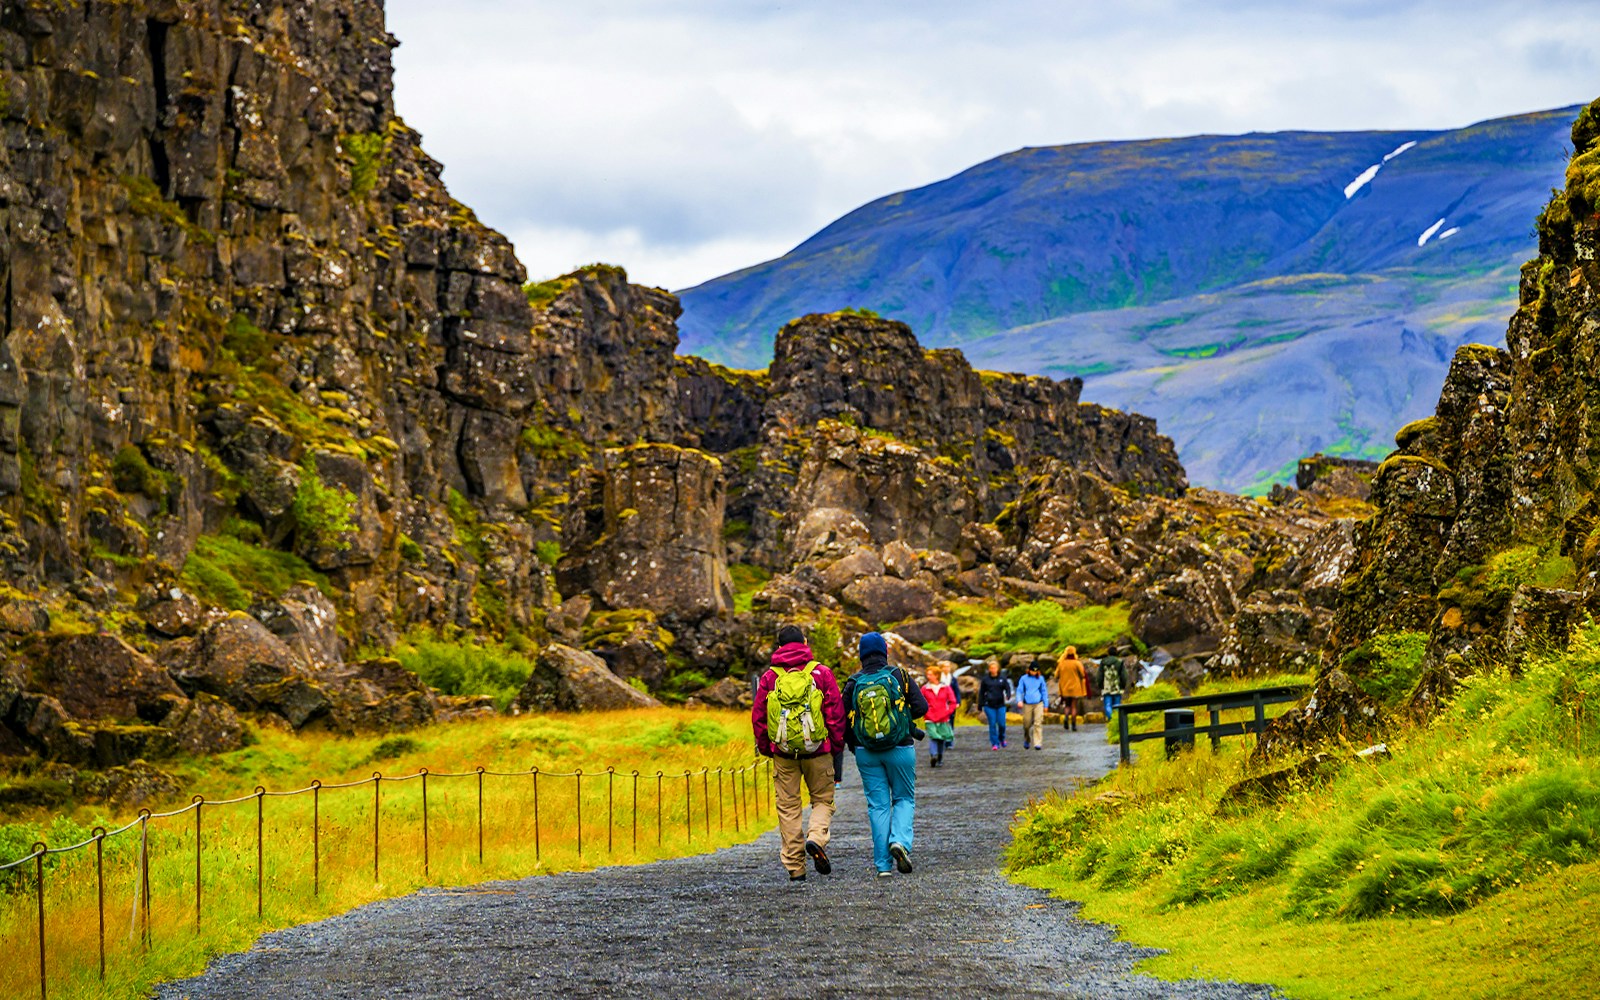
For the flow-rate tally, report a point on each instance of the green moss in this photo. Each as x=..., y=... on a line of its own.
x=1387, y=665
x=541, y=293
x=368, y=155
x=145, y=198
x=1414, y=431
x=235, y=573
x=324, y=515
x=132, y=473
x=409, y=550
x=547, y=552
x=747, y=582
x=248, y=343
x=551, y=442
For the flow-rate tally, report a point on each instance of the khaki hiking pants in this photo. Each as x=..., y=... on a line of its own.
x=787, y=775
x=1033, y=724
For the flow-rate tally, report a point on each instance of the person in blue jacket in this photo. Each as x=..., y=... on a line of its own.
x=1033, y=694
x=888, y=773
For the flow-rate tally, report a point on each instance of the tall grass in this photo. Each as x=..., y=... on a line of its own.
x=702, y=750
x=1497, y=793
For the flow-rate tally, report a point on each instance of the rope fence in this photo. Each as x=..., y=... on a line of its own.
x=204, y=826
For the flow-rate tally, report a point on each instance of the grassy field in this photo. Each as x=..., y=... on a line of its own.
x=523, y=832
x=1462, y=865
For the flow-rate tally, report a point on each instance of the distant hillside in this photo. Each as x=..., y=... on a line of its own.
x=1263, y=296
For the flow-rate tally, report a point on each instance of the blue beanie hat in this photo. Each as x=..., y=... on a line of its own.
x=872, y=642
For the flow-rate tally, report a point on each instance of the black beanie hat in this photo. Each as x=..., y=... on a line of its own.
x=789, y=634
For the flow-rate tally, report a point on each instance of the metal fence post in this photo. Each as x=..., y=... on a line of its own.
x=1122, y=735
x=722, y=820
x=199, y=804
x=536, y=815
x=480, y=814
x=316, y=843
x=39, y=851
x=261, y=794
x=424, y=772
x=688, y=811
x=636, y=811
x=611, y=817
x=144, y=875
x=377, y=804
x=578, y=796
x=100, y=891
x=705, y=797
x=658, y=808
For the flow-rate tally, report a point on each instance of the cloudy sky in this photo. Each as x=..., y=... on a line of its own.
x=687, y=138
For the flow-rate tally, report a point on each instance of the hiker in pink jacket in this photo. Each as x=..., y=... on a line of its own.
x=798, y=719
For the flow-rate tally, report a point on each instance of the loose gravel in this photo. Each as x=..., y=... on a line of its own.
x=729, y=923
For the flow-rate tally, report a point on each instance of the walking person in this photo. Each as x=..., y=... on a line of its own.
x=1111, y=684
x=799, y=721
x=995, y=693
x=942, y=703
x=1071, y=686
x=1033, y=694
x=882, y=702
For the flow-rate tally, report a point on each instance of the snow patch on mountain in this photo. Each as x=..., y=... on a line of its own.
x=1399, y=149
x=1427, y=234
x=1361, y=181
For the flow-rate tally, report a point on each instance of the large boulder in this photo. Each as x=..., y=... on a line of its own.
x=863, y=562
x=1336, y=709
x=173, y=613
x=885, y=599
x=571, y=680
x=381, y=695
x=207, y=725
x=102, y=677
x=308, y=624
x=828, y=532
x=22, y=616
x=240, y=661
x=1273, y=633
x=631, y=643
x=139, y=785
x=921, y=631
x=730, y=692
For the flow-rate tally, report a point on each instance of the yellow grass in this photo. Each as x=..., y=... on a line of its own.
x=299, y=883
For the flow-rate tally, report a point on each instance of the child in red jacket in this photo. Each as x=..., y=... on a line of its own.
x=940, y=723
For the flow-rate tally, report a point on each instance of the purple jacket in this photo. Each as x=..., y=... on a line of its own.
x=795, y=656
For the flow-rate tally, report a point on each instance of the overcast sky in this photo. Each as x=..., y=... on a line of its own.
x=686, y=138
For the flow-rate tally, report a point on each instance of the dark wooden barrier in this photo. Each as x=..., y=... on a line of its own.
x=1214, y=705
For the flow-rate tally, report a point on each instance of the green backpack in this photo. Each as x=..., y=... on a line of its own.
x=878, y=710
x=794, y=712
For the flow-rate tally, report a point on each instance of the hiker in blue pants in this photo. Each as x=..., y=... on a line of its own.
x=882, y=701
x=995, y=694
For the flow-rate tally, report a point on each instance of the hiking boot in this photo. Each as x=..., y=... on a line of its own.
x=1027, y=746
x=797, y=876
x=885, y=874
x=819, y=857
x=902, y=858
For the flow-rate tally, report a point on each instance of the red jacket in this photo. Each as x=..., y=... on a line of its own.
x=941, y=702
x=795, y=656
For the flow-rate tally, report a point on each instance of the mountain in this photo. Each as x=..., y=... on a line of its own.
x=1253, y=293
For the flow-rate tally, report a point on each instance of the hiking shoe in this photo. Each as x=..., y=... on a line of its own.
x=1002, y=743
x=902, y=858
x=819, y=857
x=994, y=746
x=1038, y=748
x=797, y=876
x=885, y=874
x=1027, y=746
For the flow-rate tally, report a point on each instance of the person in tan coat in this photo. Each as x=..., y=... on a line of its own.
x=1071, y=686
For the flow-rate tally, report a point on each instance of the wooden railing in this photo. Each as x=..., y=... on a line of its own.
x=1213, y=704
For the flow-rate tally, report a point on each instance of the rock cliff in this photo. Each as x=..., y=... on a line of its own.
x=270, y=400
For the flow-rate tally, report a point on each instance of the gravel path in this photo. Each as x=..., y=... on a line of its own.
x=728, y=924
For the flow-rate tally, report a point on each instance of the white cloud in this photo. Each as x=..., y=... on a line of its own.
x=699, y=137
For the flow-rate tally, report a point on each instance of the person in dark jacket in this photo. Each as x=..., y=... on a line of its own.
x=888, y=777
x=817, y=768
x=995, y=695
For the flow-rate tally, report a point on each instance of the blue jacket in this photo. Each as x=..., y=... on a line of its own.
x=1032, y=690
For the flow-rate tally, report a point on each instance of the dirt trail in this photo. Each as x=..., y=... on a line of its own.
x=729, y=924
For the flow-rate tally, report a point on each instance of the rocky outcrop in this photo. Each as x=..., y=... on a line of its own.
x=647, y=533
x=570, y=680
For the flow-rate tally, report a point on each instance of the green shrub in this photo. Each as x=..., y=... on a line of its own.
x=324, y=515
x=461, y=668
x=548, y=552
x=248, y=342
x=825, y=645
x=393, y=747
x=550, y=442
x=1047, y=627
x=696, y=733
x=542, y=293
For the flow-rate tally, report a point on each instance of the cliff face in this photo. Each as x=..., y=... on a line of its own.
x=234, y=283
x=270, y=399
x=1485, y=539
